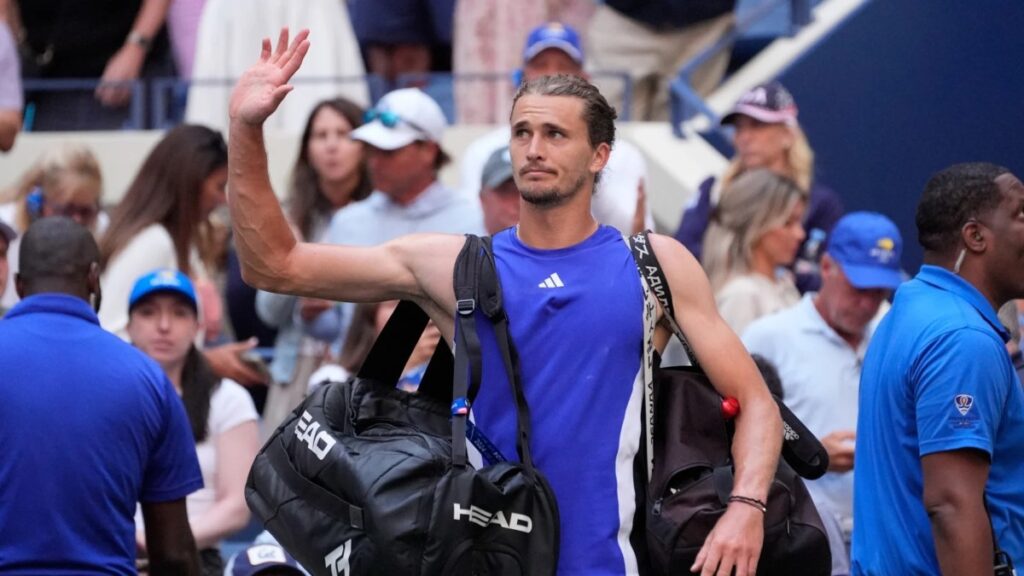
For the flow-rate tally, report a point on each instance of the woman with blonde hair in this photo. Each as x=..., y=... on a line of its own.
x=767, y=135
x=754, y=234
x=65, y=181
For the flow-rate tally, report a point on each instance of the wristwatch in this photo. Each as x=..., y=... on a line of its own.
x=139, y=39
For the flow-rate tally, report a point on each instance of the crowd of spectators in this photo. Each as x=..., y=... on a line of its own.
x=803, y=285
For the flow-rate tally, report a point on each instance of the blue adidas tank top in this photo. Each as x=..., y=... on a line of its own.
x=576, y=318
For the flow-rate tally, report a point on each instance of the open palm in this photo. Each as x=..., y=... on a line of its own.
x=263, y=86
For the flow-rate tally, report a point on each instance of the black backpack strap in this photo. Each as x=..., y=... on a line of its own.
x=477, y=286
x=500, y=324
x=468, y=356
x=801, y=449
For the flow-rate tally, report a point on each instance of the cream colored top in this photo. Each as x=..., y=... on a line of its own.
x=746, y=298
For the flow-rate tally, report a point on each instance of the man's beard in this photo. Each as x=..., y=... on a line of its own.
x=551, y=197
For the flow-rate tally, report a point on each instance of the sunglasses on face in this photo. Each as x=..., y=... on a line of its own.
x=389, y=119
x=82, y=213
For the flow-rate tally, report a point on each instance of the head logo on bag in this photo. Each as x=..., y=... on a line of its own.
x=480, y=517
x=337, y=559
x=385, y=457
x=319, y=441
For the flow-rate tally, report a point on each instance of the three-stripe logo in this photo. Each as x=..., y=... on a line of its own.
x=552, y=281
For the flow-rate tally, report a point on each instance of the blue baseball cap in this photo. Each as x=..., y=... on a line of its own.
x=165, y=280
x=259, y=558
x=867, y=246
x=553, y=35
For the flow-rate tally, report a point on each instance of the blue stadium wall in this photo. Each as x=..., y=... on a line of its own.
x=905, y=88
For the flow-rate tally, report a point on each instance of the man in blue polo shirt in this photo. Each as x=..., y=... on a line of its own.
x=90, y=427
x=940, y=436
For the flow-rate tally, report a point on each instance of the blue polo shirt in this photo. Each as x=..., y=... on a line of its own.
x=936, y=378
x=89, y=426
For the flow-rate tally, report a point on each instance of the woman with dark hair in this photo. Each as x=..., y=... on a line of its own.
x=162, y=221
x=163, y=322
x=329, y=174
x=330, y=171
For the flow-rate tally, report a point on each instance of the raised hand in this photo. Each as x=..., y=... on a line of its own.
x=262, y=87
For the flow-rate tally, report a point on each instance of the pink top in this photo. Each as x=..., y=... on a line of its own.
x=182, y=23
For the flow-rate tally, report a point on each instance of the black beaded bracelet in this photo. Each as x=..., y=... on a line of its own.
x=760, y=505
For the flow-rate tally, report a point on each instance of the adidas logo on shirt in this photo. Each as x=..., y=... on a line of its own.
x=552, y=281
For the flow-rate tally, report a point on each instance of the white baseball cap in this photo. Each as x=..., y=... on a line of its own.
x=400, y=118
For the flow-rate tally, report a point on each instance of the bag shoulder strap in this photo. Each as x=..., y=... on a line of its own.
x=647, y=411
x=650, y=269
x=801, y=450
x=477, y=286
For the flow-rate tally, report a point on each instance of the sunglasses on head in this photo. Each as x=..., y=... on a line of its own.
x=390, y=119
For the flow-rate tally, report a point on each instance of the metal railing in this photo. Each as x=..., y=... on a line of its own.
x=685, y=102
x=158, y=103
x=136, y=113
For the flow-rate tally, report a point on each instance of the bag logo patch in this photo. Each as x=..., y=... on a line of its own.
x=318, y=441
x=337, y=559
x=964, y=403
x=480, y=517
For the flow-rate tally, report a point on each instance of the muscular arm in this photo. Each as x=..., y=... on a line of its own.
x=758, y=439
x=413, y=267
x=954, y=497
x=169, y=542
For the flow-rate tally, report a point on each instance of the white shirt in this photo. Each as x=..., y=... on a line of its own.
x=614, y=200
x=230, y=406
x=820, y=375
x=149, y=250
x=227, y=43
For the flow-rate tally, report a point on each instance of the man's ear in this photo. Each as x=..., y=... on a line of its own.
x=973, y=236
x=827, y=264
x=600, y=158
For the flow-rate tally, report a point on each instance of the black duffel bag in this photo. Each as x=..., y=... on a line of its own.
x=691, y=476
x=364, y=478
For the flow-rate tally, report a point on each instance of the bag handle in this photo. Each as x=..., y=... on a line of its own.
x=394, y=346
x=800, y=448
x=477, y=287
